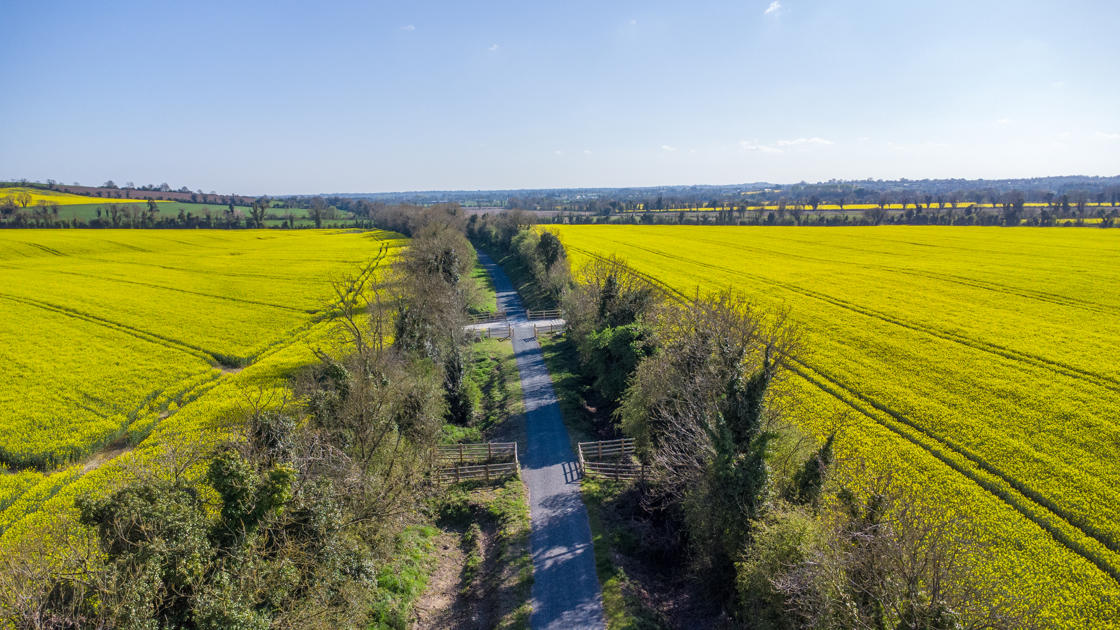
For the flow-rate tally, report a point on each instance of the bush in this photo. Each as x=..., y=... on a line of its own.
x=786, y=538
x=613, y=354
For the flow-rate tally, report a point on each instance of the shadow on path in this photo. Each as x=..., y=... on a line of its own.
x=566, y=590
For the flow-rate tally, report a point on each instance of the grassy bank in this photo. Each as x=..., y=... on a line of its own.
x=486, y=301
x=401, y=582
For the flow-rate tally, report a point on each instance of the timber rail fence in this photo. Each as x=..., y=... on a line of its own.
x=488, y=318
x=505, y=331
x=613, y=459
x=486, y=461
x=550, y=313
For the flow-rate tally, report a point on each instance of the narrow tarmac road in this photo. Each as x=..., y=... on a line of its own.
x=566, y=590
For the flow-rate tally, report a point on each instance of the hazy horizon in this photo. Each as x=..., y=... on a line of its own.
x=262, y=98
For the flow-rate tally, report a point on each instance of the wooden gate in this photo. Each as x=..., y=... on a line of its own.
x=486, y=461
x=613, y=459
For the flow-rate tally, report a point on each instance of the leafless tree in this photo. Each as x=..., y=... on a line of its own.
x=888, y=559
x=360, y=303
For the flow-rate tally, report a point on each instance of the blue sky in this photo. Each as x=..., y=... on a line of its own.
x=302, y=97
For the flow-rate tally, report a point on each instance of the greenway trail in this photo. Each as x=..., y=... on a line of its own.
x=565, y=588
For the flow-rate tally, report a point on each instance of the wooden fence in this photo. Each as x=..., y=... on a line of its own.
x=613, y=459
x=498, y=332
x=491, y=318
x=486, y=461
x=473, y=453
x=543, y=329
x=551, y=313
x=506, y=331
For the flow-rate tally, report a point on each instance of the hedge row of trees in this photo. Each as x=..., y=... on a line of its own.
x=733, y=490
x=539, y=253
x=288, y=521
x=337, y=211
x=1008, y=214
x=17, y=211
x=110, y=189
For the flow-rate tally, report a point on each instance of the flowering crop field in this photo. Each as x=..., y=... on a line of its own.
x=981, y=363
x=118, y=343
x=865, y=206
x=38, y=195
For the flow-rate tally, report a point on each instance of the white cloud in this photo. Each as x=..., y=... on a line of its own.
x=779, y=146
x=751, y=145
x=587, y=151
x=493, y=48
x=558, y=152
x=1003, y=121
x=1057, y=85
x=408, y=27
x=1104, y=135
x=633, y=22
x=774, y=7
x=799, y=141
x=668, y=148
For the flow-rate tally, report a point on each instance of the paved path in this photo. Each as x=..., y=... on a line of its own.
x=565, y=588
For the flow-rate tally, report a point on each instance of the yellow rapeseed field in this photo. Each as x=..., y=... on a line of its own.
x=38, y=196
x=979, y=362
x=117, y=344
x=854, y=207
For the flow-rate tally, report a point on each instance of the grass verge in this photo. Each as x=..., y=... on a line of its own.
x=401, y=582
x=492, y=523
x=498, y=386
x=622, y=608
x=486, y=299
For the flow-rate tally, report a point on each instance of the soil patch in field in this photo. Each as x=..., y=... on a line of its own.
x=114, y=450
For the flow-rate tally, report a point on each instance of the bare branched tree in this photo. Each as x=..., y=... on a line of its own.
x=359, y=305
x=891, y=560
x=46, y=574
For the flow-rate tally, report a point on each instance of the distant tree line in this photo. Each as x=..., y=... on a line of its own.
x=1036, y=202
x=957, y=192
x=1010, y=209
x=18, y=212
